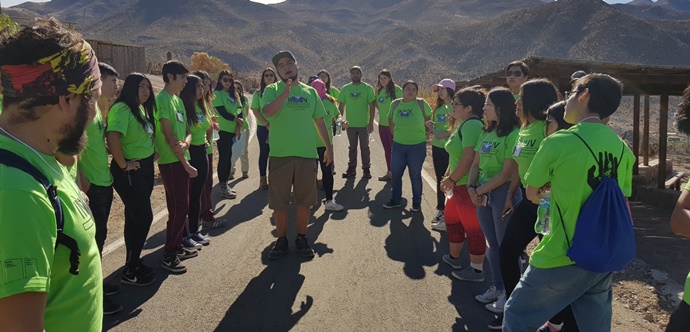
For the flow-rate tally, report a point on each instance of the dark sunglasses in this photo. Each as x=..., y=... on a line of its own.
x=576, y=92
x=226, y=80
x=269, y=75
x=515, y=73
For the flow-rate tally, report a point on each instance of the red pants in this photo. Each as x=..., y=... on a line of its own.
x=206, y=205
x=176, y=183
x=462, y=222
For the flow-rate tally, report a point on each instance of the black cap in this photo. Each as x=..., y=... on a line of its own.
x=577, y=75
x=282, y=54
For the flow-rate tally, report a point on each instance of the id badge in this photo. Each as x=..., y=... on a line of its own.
x=486, y=147
x=149, y=129
x=179, y=117
x=516, y=151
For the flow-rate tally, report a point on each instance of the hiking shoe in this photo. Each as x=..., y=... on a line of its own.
x=386, y=177
x=110, y=289
x=212, y=224
x=416, y=207
x=173, y=264
x=263, y=183
x=469, y=274
x=489, y=296
x=136, y=278
x=440, y=217
x=454, y=263
x=245, y=175
x=497, y=324
x=366, y=175
x=227, y=192
x=110, y=307
x=333, y=206
x=349, y=174
x=497, y=307
x=190, y=244
x=441, y=226
x=200, y=239
x=391, y=205
x=279, y=249
x=303, y=247
x=186, y=253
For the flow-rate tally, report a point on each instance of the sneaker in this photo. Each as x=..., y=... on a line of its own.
x=110, y=289
x=497, y=307
x=303, y=247
x=454, y=263
x=489, y=296
x=469, y=274
x=366, y=175
x=136, y=278
x=386, y=177
x=279, y=249
x=213, y=224
x=391, y=205
x=263, y=183
x=440, y=217
x=416, y=207
x=190, y=244
x=333, y=206
x=245, y=175
x=200, y=239
x=497, y=323
x=110, y=307
x=227, y=192
x=441, y=226
x=173, y=264
x=186, y=253
x=349, y=174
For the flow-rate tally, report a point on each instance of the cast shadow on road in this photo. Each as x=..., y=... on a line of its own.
x=132, y=297
x=246, y=208
x=354, y=196
x=411, y=242
x=266, y=304
x=378, y=216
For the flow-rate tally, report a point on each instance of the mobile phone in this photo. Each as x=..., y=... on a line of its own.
x=503, y=216
x=485, y=200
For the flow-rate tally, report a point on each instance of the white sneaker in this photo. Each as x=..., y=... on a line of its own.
x=491, y=295
x=333, y=206
x=439, y=217
x=440, y=226
x=497, y=307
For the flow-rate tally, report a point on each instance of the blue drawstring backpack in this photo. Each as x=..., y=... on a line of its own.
x=604, y=240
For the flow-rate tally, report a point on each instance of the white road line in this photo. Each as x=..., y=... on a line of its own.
x=161, y=215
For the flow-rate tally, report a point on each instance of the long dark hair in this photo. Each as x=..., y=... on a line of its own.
x=470, y=97
x=263, y=80
x=232, y=91
x=504, y=102
x=208, y=96
x=129, y=95
x=188, y=96
x=328, y=84
x=683, y=114
x=556, y=112
x=439, y=100
x=390, y=88
x=537, y=96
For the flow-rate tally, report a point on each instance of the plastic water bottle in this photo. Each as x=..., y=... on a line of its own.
x=338, y=128
x=371, y=137
x=216, y=135
x=543, y=225
x=449, y=193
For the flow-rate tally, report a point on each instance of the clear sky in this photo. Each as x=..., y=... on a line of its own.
x=10, y=3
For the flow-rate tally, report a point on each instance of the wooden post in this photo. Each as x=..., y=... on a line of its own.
x=645, y=133
x=636, y=132
x=663, y=134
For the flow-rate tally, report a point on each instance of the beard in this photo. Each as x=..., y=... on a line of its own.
x=356, y=80
x=293, y=78
x=75, y=139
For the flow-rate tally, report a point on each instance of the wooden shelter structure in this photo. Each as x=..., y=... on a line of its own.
x=639, y=81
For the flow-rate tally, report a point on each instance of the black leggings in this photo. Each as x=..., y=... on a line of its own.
x=198, y=160
x=264, y=149
x=224, y=154
x=519, y=233
x=326, y=173
x=680, y=319
x=440, y=158
x=134, y=188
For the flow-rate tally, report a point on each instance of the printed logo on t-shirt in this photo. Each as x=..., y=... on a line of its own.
x=404, y=113
x=201, y=117
x=297, y=99
x=232, y=100
x=441, y=118
x=99, y=124
x=382, y=99
x=355, y=94
x=486, y=146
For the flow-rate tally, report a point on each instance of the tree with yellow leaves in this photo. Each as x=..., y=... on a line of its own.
x=212, y=65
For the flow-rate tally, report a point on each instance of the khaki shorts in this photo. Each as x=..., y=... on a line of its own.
x=291, y=175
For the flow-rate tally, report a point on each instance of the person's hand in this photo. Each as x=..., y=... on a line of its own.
x=178, y=147
x=507, y=207
x=239, y=121
x=473, y=195
x=328, y=156
x=429, y=125
x=132, y=165
x=191, y=171
x=544, y=188
x=370, y=128
x=85, y=197
x=447, y=184
x=207, y=145
x=155, y=156
x=216, y=126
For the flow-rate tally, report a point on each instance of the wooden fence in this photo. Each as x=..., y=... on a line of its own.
x=125, y=59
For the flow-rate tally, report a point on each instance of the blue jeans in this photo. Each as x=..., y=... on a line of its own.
x=412, y=157
x=494, y=227
x=542, y=293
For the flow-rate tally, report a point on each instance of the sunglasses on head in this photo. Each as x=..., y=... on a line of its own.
x=515, y=73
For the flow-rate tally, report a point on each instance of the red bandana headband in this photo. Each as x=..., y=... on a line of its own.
x=70, y=71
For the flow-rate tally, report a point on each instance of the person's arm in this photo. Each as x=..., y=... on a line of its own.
x=443, y=135
x=464, y=166
x=115, y=146
x=341, y=109
x=259, y=117
x=178, y=147
x=532, y=194
x=272, y=108
x=680, y=219
x=323, y=133
x=82, y=182
x=23, y=312
x=472, y=179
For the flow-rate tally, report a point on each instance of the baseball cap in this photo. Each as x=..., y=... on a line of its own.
x=282, y=54
x=445, y=83
x=577, y=75
x=355, y=67
x=320, y=87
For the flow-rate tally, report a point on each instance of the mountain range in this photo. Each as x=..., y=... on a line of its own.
x=425, y=40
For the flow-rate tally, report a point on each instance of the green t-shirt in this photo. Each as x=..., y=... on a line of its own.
x=493, y=151
x=383, y=103
x=564, y=161
x=686, y=293
x=472, y=129
x=172, y=109
x=245, y=110
x=292, y=128
x=94, y=159
x=30, y=261
x=526, y=146
x=136, y=141
x=231, y=105
x=256, y=105
x=410, y=123
x=199, y=130
x=441, y=117
x=334, y=92
x=357, y=99
x=331, y=113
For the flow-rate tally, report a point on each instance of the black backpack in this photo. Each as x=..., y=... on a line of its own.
x=13, y=160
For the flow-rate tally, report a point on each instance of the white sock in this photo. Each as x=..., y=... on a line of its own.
x=477, y=266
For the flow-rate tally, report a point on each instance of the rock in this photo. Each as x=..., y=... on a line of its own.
x=649, y=317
